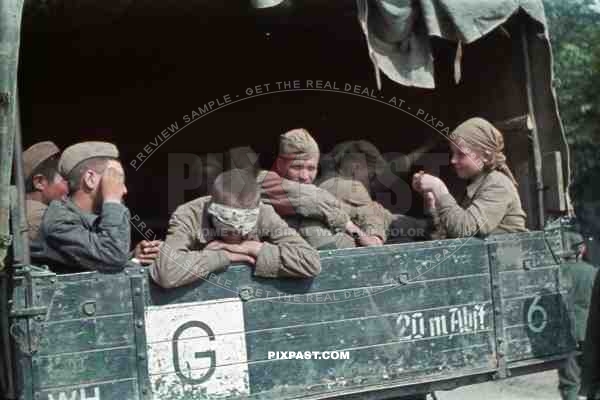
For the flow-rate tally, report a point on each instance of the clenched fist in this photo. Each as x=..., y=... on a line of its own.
x=147, y=251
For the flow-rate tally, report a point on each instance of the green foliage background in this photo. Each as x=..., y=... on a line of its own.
x=575, y=36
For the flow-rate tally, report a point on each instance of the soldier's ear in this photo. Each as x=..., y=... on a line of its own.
x=90, y=180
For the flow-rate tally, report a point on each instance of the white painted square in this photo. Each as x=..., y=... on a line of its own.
x=197, y=347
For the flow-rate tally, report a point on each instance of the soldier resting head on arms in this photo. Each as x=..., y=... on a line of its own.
x=231, y=226
x=491, y=204
x=43, y=183
x=89, y=230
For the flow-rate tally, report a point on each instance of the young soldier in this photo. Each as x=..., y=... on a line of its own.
x=323, y=220
x=89, y=230
x=43, y=183
x=231, y=226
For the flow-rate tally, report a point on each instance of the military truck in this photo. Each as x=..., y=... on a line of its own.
x=377, y=323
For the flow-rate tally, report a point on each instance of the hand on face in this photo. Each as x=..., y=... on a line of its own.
x=112, y=184
x=147, y=251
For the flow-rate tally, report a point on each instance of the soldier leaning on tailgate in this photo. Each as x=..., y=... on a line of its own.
x=323, y=220
x=90, y=229
x=347, y=183
x=348, y=186
x=43, y=183
x=231, y=226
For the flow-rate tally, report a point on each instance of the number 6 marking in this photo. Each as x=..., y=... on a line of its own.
x=533, y=308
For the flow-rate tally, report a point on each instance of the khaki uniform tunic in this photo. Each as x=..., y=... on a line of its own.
x=183, y=258
x=491, y=206
x=71, y=240
x=370, y=216
x=314, y=212
x=35, y=213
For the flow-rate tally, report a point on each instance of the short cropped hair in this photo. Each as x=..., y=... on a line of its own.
x=48, y=169
x=97, y=164
x=236, y=188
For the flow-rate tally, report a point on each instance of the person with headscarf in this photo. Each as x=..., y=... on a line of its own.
x=491, y=204
x=231, y=226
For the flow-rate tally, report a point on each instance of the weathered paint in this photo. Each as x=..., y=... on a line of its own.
x=405, y=314
x=200, y=344
x=533, y=295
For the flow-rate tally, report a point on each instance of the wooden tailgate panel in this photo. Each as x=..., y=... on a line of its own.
x=86, y=347
x=532, y=296
x=405, y=314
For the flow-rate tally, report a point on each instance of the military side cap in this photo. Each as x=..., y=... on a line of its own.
x=37, y=154
x=80, y=152
x=298, y=143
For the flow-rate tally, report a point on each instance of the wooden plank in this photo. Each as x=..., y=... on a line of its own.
x=87, y=334
x=524, y=344
x=554, y=191
x=344, y=269
x=109, y=294
x=396, y=363
x=535, y=308
x=113, y=390
x=537, y=326
x=84, y=367
x=440, y=323
x=225, y=382
x=188, y=342
x=540, y=280
x=531, y=252
x=395, y=299
x=408, y=362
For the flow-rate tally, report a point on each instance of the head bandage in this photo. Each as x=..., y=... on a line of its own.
x=243, y=220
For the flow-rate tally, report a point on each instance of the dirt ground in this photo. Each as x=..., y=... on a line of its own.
x=530, y=387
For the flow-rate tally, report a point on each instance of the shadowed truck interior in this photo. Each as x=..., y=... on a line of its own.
x=124, y=72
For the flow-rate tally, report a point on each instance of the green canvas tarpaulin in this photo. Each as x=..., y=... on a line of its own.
x=398, y=31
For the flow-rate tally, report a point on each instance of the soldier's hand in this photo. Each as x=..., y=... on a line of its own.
x=112, y=185
x=429, y=183
x=147, y=251
x=215, y=245
x=236, y=258
x=370, y=241
x=248, y=247
x=416, y=181
x=429, y=198
x=352, y=229
x=251, y=247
